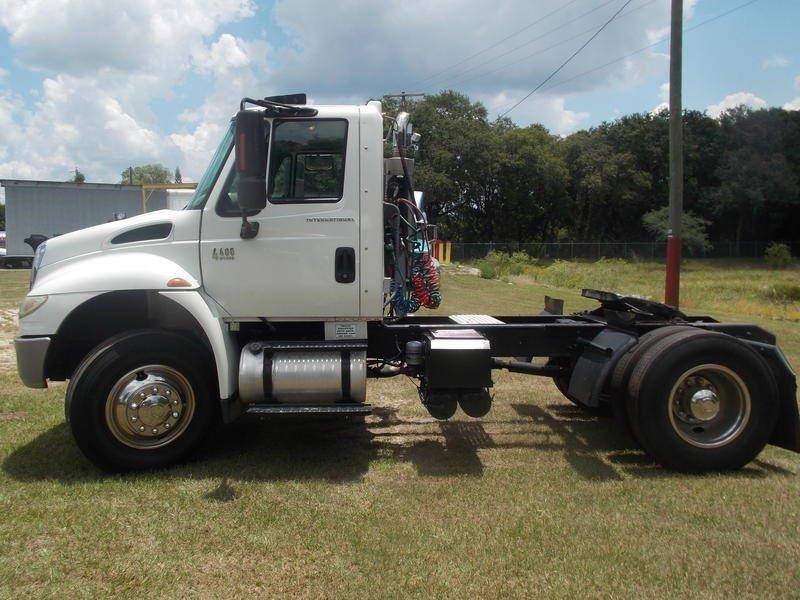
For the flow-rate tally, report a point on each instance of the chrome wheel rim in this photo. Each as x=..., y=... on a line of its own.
x=709, y=406
x=150, y=407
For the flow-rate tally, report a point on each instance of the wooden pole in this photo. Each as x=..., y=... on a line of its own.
x=673, y=278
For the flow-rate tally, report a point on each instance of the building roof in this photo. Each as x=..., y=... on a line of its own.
x=66, y=184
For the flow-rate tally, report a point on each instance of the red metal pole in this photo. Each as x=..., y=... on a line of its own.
x=673, y=281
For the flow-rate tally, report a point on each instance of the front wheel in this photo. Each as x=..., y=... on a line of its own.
x=141, y=400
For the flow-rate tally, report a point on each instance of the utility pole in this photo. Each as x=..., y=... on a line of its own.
x=673, y=278
x=403, y=96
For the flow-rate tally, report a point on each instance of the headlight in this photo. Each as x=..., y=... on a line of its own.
x=38, y=256
x=30, y=304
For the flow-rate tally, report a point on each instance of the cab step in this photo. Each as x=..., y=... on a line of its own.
x=300, y=409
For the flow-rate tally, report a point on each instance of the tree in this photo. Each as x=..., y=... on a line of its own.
x=532, y=181
x=755, y=177
x=609, y=193
x=494, y=181
x=77, y=177
x=693, y=229
x=2, y=217
x=457, y=164
x=178, y=177
x=154, y=173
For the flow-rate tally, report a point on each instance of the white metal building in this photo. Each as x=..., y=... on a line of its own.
x=53, y=207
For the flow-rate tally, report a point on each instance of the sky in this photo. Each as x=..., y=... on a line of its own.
x=102, y=85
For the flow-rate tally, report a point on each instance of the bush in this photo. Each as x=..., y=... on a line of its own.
x=499, y=264
x=487, y=269
x=778, y=256
x=784, y=292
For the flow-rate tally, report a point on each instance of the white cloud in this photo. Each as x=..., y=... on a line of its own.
x=365, y=29
x=794, y=104
x=78, y=122
x=111, y=61
x=106, y=64
x=775, y=62
x=733, y=100
x=551, y=111
x=79, y=36
x=663, y=96
x=227, y=53
x=656, y=35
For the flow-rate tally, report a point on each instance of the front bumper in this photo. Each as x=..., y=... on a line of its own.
x=31, y=356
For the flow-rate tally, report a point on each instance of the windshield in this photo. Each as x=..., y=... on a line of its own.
x=212, y=171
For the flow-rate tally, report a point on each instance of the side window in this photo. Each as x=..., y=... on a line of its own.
x=307, y=161
x=228, y=202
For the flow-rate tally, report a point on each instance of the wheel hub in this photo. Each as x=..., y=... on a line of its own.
x=152, y=408
x=704, y=405
x=709, y=406
x=149, y=407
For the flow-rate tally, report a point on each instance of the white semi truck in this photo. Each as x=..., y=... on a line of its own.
x=293, y=275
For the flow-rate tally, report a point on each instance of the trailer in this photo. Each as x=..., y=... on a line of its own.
x=294, y=274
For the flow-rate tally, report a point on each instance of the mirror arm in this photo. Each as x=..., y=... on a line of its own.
x=249, y=230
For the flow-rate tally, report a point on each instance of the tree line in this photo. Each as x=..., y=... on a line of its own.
x=153, y=173
x=494, y=181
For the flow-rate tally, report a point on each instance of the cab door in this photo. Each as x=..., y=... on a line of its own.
x=303, y=262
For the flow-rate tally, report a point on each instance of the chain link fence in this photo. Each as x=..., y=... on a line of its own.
x=595, y=250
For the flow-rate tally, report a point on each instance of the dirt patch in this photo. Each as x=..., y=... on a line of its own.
x=12, y=416
x=462, y=270
x=8, y=327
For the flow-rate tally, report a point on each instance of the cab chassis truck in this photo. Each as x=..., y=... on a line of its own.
x=293, y=275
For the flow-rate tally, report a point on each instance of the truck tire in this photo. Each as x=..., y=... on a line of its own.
x=702, y=401
x=618, y=387
x=141, y=400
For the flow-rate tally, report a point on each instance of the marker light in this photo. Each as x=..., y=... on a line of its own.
x=178, y=282
x=30, y=304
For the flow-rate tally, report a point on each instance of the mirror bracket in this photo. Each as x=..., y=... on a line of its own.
x=249, y=230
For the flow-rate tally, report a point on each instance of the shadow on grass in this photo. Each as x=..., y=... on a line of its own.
x=601, y=449
x=341, y=450
x=336, y=450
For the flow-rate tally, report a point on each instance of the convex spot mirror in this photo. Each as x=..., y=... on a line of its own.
x=318, y=162
x=251, y=159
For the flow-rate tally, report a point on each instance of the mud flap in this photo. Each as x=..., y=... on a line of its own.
x=596, y=363
x=787, y=429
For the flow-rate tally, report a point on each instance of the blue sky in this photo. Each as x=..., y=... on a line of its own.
x=102, y=85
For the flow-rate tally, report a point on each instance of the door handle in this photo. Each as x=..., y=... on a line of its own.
x=345, y=265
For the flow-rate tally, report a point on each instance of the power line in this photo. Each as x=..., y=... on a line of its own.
x=508, y=37
x=536, y=39
x=566, y=62
x=548, y=48
x=653, y=45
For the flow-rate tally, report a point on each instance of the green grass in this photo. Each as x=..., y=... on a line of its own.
x=534, y=499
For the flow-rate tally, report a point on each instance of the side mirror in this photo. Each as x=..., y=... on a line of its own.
x=251, y=159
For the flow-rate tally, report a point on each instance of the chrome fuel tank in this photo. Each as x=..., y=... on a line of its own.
x=301, y=377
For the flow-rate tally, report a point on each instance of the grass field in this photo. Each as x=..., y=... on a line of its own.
x=534, y=499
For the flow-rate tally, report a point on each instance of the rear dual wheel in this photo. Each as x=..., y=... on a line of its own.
x=701, y=401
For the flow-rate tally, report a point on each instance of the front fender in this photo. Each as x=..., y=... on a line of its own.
x=112, y=271
x=223, y=344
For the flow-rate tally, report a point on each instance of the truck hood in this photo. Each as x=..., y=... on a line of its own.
x=107, y=236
